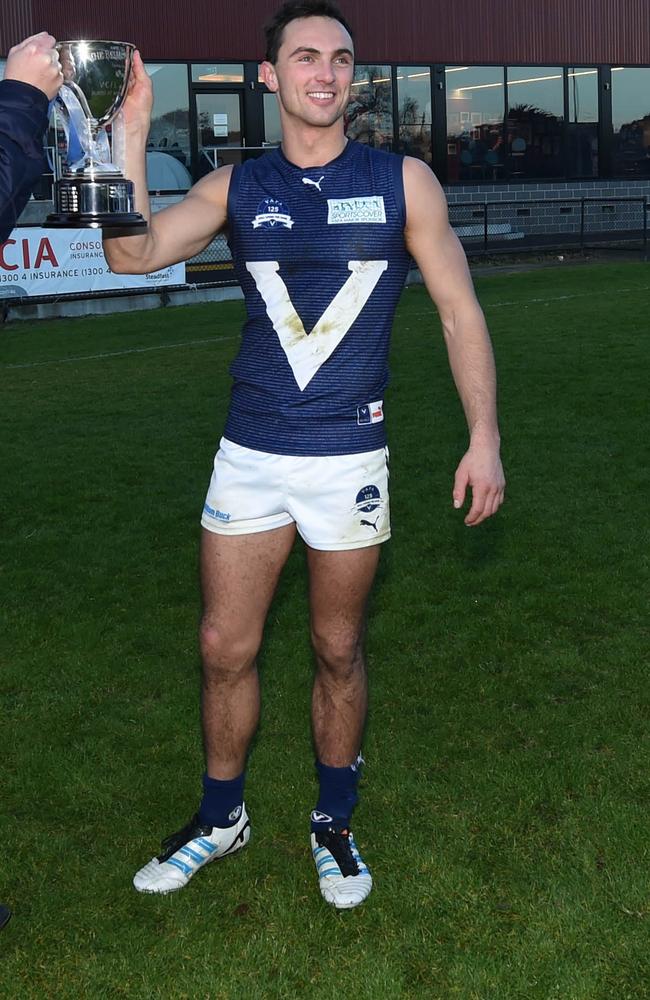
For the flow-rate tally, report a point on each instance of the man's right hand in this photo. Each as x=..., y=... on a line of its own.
x=136, y=109
x=36, y=61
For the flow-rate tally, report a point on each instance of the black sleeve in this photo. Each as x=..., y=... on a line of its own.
x=23, y=120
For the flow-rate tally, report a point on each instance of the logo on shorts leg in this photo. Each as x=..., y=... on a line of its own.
x=369, y=499
x=218, y=515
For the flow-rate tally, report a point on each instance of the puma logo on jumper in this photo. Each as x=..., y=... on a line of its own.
x=316, y=184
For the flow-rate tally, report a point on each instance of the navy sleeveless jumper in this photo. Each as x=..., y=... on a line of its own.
x=321, y=259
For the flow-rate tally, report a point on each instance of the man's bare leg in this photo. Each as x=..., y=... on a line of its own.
x=339, y=586
x=238, y=578
x=238, y=575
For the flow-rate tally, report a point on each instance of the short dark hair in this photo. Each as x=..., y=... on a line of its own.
x=291, y=11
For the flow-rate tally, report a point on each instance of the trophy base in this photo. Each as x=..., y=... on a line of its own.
x=109, y=220
x=92, y=203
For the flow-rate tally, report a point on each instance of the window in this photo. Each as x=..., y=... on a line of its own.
x=369, y=115
x=582, y=130
x=168, y=146
x=272, y=128
x=414, y=111
x=475, y=110
x=535, y=122
x=218, y=73
x=631, y=121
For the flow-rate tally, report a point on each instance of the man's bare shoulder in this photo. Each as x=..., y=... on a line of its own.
x=214, y=187
x=420, y=181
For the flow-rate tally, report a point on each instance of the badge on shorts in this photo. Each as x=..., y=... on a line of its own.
x=368, y=499
x=369, y=502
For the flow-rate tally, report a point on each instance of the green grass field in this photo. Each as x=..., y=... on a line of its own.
x=505, y=805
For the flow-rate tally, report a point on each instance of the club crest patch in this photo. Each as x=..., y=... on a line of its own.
x=371, y=508
x=272, y=213
x=342, y=211
x=368, y=499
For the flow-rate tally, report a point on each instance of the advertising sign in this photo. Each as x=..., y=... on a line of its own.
x=67, y=261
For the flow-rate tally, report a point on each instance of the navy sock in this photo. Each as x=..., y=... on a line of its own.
x=222, y=801
x=338, y=795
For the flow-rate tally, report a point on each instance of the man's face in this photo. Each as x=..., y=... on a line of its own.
x=313, y=70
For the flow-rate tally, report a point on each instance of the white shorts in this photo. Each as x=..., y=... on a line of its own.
x=335, y=501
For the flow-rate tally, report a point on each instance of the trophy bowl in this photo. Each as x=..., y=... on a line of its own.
x=90, y=190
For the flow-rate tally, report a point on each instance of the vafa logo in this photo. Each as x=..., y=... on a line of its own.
x=272, y=213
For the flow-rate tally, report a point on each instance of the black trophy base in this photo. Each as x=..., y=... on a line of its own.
x=131, y=221
x=100, y=201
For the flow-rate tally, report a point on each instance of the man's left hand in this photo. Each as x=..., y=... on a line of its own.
x=480, y=468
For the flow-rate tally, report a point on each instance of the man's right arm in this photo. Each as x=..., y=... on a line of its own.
x=178, y=232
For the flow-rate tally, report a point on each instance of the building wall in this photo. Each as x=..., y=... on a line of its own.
x=524, y=210
x=16, y=22
x=460, y=31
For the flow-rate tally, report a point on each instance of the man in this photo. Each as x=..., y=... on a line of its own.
x=32, y=78
x=321, y=231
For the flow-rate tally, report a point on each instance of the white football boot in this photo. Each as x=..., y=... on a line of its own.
x=344, y=879
x=188, y=850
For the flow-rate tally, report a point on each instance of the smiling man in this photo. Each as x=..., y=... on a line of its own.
x=321, y=232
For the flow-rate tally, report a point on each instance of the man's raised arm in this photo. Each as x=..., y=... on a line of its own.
x=441, y=260
x=178, y=232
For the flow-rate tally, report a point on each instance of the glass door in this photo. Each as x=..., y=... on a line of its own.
x=220, y=134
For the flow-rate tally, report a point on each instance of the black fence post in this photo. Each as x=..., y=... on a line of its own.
x=582, y=224
x=485, y=225
x=645, y=228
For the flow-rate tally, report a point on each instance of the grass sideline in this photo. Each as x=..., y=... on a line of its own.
x=506, y=798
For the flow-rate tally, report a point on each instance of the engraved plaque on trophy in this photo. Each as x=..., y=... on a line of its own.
x=90, y=189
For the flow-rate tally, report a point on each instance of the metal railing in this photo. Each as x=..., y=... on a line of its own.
x=494, y=227
x=551, y=223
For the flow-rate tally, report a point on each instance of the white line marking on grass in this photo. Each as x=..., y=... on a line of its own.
x=214, y=340
x=563, y=298
x=554, y=298
x=120, y=354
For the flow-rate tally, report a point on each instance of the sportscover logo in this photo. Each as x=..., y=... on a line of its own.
x=346, y=210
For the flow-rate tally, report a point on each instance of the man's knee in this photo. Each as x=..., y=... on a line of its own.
x=226, y=653
x=338, y=654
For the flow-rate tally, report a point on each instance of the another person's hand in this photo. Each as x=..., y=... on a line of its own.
x=36, y=61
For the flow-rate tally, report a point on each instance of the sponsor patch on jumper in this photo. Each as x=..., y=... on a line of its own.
x=218, y=515
x=272, y=213
x=346, y=210
x=371, y=413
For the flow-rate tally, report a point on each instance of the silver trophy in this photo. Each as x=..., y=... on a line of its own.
x=91, y=189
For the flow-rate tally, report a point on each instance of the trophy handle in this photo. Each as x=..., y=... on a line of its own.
x=81, y=98
x=91, y=135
